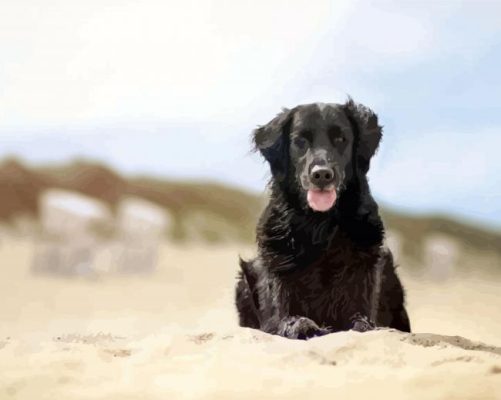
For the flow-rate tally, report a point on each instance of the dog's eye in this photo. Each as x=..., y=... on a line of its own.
x=301, y=142
x=336, y=135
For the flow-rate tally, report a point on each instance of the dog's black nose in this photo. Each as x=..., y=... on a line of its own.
x=321, y=176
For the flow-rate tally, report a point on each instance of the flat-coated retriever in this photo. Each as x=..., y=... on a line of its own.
x=321, y=265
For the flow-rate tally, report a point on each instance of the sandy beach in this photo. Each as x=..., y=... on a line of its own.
x=174, y=334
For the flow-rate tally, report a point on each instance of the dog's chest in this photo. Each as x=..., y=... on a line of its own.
x=334, y=288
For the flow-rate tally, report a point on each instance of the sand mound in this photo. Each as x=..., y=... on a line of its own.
x=250, y=364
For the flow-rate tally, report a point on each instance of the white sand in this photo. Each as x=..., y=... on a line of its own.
x=174, y=335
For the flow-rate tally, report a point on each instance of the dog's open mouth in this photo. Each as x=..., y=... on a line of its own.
x=321, y=200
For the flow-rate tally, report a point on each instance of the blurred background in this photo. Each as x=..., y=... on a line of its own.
x=127, y=185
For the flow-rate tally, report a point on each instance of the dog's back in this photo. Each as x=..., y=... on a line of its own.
x=246, y=295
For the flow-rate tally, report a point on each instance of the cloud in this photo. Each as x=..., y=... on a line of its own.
x=73, y=62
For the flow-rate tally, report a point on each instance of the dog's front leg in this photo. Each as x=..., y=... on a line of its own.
x=295, y=328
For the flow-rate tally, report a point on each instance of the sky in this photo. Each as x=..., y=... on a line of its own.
x=175, y=88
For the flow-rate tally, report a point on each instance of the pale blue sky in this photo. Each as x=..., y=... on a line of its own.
x=174, y=88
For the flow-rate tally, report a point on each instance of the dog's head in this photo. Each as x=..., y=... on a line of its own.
x=314, y=150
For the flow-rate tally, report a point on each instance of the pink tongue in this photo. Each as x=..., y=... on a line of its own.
x=321, y=200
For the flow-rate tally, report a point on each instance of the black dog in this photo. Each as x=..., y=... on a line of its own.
x=321, y=265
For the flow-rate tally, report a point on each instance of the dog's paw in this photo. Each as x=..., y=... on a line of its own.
x=302, y=328
x=361, y=323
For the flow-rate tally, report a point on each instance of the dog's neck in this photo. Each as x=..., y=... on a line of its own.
x=291, y=234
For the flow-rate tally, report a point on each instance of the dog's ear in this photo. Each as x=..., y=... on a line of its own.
x=272, y=141
x=368, y=130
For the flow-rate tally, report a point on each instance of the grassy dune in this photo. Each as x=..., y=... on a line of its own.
x=215, y=213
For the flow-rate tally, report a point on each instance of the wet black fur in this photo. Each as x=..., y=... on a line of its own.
x=315, y=272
